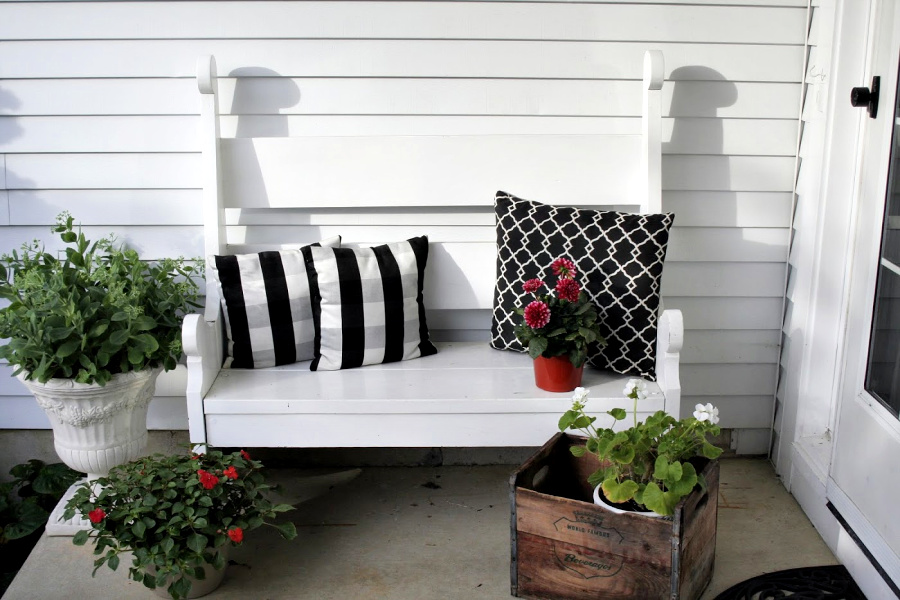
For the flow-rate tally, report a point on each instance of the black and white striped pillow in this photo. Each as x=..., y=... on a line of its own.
x=367, y=304
x=266, y=304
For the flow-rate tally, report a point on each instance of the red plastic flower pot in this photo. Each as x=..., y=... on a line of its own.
x=556, y=374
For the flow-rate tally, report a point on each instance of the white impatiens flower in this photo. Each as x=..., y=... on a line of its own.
x=636, y=388
x=706, y=412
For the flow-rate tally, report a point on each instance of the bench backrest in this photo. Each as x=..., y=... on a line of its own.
x=265, y=193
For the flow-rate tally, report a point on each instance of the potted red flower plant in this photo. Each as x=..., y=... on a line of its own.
x=177, y=515
x=557, y=328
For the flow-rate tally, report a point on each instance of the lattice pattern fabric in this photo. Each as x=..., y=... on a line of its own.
x=266, y=305
x=620, y=260
x=367, y=304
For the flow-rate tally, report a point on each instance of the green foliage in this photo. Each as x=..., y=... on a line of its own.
x=573, y=328
x=26, y=501
x=97, y=311
x=175, y=513
x=648, y=463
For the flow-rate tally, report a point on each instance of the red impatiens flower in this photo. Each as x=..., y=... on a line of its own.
x=96, y=515
x=568, y=289
x=236, y=535
x=245, y=455
x=230, y=473
x=564, y=268
x=537, y=314
x=207, y=480
x=532, y=285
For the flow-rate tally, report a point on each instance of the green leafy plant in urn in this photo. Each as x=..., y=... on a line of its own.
x=89, y=329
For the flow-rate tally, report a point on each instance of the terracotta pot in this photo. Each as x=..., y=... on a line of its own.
x=556, y=374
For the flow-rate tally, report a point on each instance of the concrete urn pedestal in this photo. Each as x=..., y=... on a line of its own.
x=94, y=427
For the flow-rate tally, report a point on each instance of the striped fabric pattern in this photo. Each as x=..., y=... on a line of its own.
x=267, y=309
x=367, y=304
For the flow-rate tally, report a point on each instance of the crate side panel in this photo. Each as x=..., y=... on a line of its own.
x=552, y=569
x=632, y=537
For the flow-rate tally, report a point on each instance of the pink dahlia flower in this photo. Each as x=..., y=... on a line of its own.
x=537, y=314
x=532, y=285
x=568, y=289
x=564, y=268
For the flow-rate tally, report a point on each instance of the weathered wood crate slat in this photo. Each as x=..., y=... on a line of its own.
x=566, y=548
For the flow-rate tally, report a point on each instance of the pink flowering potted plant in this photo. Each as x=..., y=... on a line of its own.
x=557, y=328
x=178, y=516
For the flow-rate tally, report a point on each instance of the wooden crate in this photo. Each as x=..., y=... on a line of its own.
x=566, y=548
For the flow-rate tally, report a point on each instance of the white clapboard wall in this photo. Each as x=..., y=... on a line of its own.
x=98, y=115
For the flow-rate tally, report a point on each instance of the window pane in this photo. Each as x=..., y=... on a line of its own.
x=883, y=372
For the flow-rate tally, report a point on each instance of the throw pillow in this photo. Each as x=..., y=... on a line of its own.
x=619, y=257
x=367, y=304
x=266, y=306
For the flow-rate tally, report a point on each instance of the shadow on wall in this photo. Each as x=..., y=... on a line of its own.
x=9, y=130
x=259, y=96
x=697, y=126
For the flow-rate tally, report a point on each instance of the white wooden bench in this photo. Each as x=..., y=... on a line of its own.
x=266, y=193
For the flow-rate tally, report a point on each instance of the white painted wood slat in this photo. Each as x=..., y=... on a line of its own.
x=107, y=207
x=179, y=133
x=182, y=206
x=411, y=171
x=735, y=173
x=423, y=96
x=396, y=58
x=393, y=20
x=102, y=171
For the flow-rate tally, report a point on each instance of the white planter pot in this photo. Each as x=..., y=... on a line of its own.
x=211, y=582
x=97, y=427
x=600, y=500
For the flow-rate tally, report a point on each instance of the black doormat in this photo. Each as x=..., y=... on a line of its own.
x=808, y=583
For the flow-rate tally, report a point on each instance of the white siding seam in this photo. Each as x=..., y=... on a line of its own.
x=779, y=373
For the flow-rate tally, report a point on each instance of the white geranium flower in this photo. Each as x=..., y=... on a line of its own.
x=580, y=394
x=636, y=386
x=706, y=412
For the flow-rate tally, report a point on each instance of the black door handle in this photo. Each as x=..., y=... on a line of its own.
x=863, y=96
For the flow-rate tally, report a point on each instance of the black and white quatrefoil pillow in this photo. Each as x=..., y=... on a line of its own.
x=619, y=257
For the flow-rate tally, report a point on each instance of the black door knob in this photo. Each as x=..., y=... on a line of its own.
x=863, y=96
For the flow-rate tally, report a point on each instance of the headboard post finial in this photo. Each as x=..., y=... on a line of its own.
x=654, y=70
x=213, y=207
x=651, y=139
x=206, y=74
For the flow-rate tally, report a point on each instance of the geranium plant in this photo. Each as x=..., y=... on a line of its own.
x=93, y=312
x=559, y=322
x=175, y=514
x=650, y=462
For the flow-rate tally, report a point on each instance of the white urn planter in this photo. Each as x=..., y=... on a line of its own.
x=94, y=427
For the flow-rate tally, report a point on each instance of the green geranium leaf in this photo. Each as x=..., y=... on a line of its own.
x=619, y=492
x=618, y=413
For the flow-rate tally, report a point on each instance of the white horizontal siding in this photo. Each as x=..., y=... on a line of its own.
x=375, y=96
x=397, y=58
x=158, y=133
x=392, y=20
x=98, y=113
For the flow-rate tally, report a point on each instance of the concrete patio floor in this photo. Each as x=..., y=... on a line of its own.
x=422, y=533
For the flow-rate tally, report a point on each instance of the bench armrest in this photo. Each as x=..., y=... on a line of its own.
x=669, y=340
x=204, y=349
